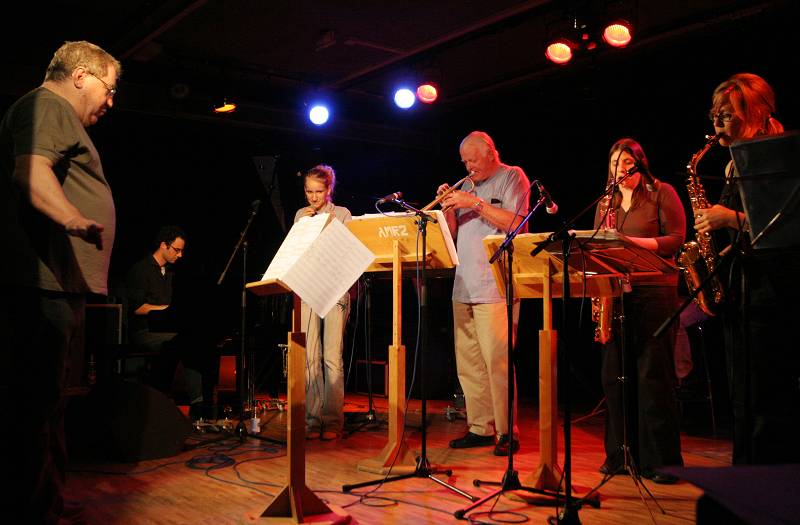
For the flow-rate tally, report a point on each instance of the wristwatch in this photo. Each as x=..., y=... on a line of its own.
x=478, y=206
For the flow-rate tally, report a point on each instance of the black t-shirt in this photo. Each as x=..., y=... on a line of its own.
x=146, y=284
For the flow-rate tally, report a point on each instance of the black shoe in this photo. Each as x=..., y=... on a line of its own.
x=662, y=478
x=472, y=440
x=615, y=470
x=501, y=447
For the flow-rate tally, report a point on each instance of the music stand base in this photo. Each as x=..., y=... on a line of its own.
x=337, y=516
x=423, y=470
x=510, y=483
x=300, y=505
x=405, y=462
x=545, y=477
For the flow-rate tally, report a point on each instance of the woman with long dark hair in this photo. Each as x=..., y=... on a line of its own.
x=650, y=214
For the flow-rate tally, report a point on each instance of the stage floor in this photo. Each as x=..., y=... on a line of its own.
x=232, y=482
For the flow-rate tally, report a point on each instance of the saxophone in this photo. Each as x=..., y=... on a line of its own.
x=603, y=307
x=698, y=258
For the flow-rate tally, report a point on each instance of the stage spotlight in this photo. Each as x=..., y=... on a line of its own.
x=225, y=106
x=559, y=51
x=618, y=33
x=404, y=98
x=427, y=93
x=319, y=114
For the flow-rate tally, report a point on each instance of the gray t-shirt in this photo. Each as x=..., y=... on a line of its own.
x=474, y=281
x=42, y=254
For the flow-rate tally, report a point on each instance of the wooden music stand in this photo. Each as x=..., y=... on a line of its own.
x=392, y=238
x=608, y=256
x=296, y=503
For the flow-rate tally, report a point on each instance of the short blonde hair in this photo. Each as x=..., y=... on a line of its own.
x=80, y=53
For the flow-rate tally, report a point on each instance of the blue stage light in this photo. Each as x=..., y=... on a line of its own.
x=319, y=114
x=404, y=98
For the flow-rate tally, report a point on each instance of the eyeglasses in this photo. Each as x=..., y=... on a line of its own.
x=110, y=90
x=178, y=251
x=720, y=116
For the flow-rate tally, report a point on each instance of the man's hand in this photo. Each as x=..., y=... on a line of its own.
x=86, y=229
x=459, y=199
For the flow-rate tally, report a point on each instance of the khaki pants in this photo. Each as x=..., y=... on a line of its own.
x=325, y=388
x=481, y=342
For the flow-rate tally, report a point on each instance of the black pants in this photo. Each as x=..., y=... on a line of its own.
x=764, y=362
x=39, y=329
x=653, y=421
x=184, y=370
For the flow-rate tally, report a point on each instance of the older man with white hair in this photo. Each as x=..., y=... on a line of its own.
x=496, y=204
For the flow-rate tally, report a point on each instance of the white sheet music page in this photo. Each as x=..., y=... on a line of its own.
x=328, y=268
x=297, y=241
x=448, y=239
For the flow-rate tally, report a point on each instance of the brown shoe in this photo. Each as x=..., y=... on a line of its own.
x=330, y=435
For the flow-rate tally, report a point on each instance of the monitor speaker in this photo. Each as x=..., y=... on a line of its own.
x=124, y=421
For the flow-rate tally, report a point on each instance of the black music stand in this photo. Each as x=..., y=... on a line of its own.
x=768, y=176
x=626, y=261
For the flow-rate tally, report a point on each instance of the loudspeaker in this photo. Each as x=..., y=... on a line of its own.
x=124, y=421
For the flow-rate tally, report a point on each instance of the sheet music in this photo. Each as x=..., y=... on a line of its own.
x=298, y=240
x=328, y=267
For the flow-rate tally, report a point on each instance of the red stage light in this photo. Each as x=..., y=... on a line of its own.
x=427, y=93
x=617, y=33
x=559, y=52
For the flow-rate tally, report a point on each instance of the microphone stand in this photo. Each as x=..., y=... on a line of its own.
x=571, y=505
x=371, y=417
x=423, y=467
x=510, y=478
x=246, y=382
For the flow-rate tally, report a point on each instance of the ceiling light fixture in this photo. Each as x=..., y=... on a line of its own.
x=225, y=106
x=569, y=34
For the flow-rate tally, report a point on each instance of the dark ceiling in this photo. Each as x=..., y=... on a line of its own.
x=272, y=57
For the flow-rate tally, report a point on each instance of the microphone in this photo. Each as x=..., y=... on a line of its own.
x=255, y=204
x=649, y=181
x=632, y=170
x=550, y=206
x=391, y=197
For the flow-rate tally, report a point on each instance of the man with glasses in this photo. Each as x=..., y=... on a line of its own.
x=59, y=222
x=496, y=203
x=148, y=288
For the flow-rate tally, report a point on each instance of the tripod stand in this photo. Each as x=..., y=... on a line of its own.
x=510, y=477
x=629, y=465
x=370, y=418
x=247, y=380
x=422, y=468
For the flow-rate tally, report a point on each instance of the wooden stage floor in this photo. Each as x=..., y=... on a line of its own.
x=232, y=482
